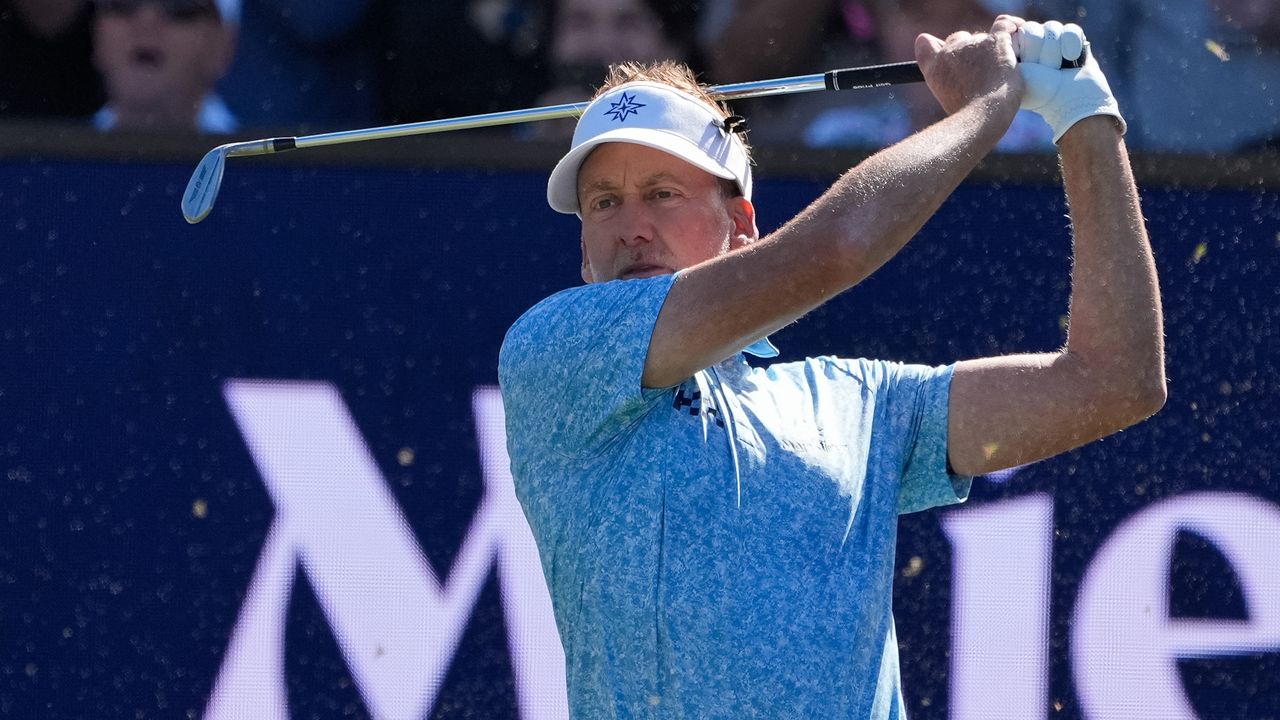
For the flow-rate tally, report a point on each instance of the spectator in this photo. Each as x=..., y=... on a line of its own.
x=817, y=35
x=1192, y=75
x=160, y=60
x=46, y=59
x=307, y=64
x=586, y=36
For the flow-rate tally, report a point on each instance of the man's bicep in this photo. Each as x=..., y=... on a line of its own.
x=1015, y=409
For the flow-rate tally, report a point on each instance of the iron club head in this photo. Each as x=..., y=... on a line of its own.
x=202, y=188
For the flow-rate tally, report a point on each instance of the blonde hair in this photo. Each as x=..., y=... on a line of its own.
x=669, y=72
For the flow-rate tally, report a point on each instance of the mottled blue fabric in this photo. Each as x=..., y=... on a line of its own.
x=724, y=548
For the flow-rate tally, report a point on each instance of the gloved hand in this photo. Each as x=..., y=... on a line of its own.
x=1062, y=97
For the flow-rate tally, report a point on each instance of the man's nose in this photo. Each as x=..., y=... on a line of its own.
x=635, y=224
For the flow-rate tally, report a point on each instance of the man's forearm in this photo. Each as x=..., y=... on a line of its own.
x=1016, y=409
x=1116, y=325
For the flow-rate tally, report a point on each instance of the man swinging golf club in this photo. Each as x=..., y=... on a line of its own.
x=719, y=539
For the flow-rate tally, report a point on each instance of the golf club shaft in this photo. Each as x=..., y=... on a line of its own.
x=846, y=79
x=202, y=188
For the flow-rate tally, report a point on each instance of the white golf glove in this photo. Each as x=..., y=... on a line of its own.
x=1063, y=97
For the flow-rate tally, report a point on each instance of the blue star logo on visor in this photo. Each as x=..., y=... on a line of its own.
x=625, y=106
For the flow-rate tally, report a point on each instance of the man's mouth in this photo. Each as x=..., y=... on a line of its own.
x=643, y=270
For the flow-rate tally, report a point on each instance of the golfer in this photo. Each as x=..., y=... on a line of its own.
x=718, y=539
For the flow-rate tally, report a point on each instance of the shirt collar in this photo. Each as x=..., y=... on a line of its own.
x=762, y=348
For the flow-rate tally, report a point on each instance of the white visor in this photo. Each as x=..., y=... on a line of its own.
x=661, y=117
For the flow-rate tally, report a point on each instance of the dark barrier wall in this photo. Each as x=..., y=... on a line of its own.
x=247, y=460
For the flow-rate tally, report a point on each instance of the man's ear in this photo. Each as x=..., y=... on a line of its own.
x=743, y=215
x=587, y=276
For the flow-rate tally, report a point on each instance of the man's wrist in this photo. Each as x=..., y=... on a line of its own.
x=996, y=111
x=1096, y=131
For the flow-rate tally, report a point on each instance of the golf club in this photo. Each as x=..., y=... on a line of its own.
x=202, y=189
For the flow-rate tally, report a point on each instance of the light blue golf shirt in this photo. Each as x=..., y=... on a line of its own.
x=724, y=548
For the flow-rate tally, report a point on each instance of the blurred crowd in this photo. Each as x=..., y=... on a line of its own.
x=1197, y=76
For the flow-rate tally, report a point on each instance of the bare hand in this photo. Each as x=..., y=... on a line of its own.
x=966, y=67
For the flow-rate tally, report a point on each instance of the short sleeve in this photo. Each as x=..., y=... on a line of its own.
x=570, y=368
x=918, y=403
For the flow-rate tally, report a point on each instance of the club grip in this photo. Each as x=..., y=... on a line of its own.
x=900, y=73
x=873, y=76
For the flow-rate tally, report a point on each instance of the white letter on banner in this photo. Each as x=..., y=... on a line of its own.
x=536, y=653
x=1000, y=608
x=1125, y=647
x=396, y=624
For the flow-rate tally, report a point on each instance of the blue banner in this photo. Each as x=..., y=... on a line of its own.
x=251, y=467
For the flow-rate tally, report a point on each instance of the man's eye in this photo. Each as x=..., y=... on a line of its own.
x=664, y=194
x=602, y=203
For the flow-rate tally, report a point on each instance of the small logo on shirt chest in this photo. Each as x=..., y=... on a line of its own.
x=689, y=400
